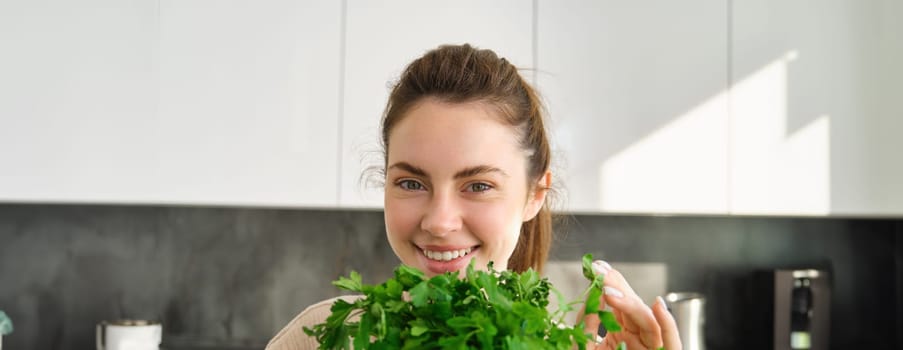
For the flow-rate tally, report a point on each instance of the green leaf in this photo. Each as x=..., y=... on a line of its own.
x=609, y=321
x=416, y=344
x=408, y=276
x=487, y=331
x=393, y=288
x=353, y=284
x=418, y=330
x=334, y=333
x=593, y=295
x=420, y=294
x=454, y=342
x=592, y=301
x=562, y=303
x=588, y=267
x=365, y=328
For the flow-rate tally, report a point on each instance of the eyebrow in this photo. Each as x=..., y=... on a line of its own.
x=467, y=172
x=477, y=170
x=409, y=168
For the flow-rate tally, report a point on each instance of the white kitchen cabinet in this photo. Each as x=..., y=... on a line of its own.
x=636, y=92
x=249, y=99
x=885, y=165
x=814, y=128
x=382, y=37
x=173, y=102
x=77, y=98
x=653, y=108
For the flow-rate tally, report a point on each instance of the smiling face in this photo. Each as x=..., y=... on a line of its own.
x=456, y=187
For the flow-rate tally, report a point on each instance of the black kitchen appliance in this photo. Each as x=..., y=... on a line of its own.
x=791, y=309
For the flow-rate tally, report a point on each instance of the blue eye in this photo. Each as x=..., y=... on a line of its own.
x=478, y=187
x=410, y=185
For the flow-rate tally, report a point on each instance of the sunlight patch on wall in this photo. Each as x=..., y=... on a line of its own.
x=773, y=172
x=679, y=168
x=720, y=158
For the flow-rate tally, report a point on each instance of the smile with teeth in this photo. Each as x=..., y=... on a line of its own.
x=446, y=255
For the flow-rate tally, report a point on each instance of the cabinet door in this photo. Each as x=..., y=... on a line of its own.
x=77, y=95
x=636, y=92
x=885, y=75
x=382, y=38
x=248, y=102
x=812, y=118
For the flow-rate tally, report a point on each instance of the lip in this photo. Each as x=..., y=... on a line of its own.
x=440, y=267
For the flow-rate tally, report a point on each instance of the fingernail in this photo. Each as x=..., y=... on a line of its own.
x=600, y=267
x=662, y=301
x=613, y=292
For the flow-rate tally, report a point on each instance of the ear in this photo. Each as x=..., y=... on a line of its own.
x=537, y=197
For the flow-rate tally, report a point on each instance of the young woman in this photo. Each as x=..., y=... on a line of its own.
x=466, y=178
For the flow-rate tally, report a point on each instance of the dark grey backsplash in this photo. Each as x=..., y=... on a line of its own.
x=717, y=256
x=231, y=277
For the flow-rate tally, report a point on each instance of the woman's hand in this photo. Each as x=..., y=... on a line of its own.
x=642, y=327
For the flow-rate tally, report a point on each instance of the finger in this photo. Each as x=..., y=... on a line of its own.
x=597, y=342
x=602, y=267
x=626, y=324
x=670, y=334
x=591, y=324
x=629, y=342
x=638, y=317
x=620, y=317
x=614, y=278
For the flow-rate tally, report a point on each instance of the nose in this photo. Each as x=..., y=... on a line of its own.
x=443, y=215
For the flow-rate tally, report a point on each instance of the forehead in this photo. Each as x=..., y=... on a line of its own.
x=459, y=134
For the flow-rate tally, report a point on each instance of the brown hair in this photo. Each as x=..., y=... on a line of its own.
x=462, y=73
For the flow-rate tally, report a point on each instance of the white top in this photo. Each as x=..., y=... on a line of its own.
x=292, y=337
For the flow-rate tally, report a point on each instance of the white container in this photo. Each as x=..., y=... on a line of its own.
x=129, y=335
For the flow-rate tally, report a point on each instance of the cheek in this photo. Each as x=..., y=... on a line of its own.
x=499, y=225
x=402, y=220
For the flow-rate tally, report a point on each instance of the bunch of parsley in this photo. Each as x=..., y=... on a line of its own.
x=485, y=309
